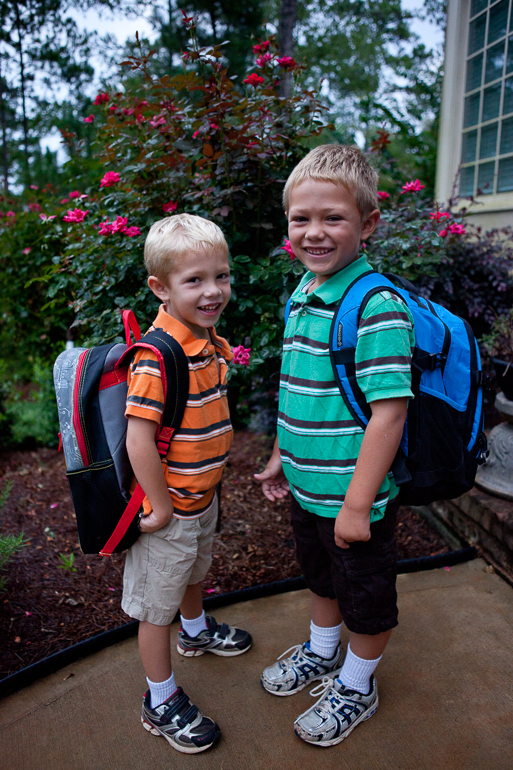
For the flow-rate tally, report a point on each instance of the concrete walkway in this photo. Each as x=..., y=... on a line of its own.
x=446, y=693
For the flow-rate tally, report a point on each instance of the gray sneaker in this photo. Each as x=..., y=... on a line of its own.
x=336, y=713
x=289, y=675
x=180, y=722
x=219, y=638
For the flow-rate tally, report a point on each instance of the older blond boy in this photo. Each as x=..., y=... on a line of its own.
x=344, y=496
x=187, y=261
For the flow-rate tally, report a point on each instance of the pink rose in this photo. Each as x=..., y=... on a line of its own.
x=132, y=232
x=263, y=59
x=383, y=195
x=412, y=187
x=89, y=119
x=241, y=355
x=110, y=179
x=105, y=228
x=171, y=206
x=288, y=248
x=287, y=62
x=75, y=216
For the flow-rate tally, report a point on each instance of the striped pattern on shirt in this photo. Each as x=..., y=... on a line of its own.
x=319, y=439
x=199, y=449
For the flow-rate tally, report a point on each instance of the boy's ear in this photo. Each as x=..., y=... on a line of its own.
x=158, y=288
x=370, y=224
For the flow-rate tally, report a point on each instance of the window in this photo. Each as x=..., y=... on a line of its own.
x=487, y=139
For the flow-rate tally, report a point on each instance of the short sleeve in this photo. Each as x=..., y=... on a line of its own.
x=145, y=392
x=384, y=348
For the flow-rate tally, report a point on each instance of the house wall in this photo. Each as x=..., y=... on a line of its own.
x=487, y=210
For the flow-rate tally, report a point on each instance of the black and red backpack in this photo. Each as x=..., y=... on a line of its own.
x=91, y=389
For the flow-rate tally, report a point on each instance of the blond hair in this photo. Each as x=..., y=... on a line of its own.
x=172, y=238
x=344, y=165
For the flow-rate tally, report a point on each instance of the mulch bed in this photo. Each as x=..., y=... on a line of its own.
x=47, y=607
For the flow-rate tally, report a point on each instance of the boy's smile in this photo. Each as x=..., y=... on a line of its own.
x=326, y=227
x=197, y=290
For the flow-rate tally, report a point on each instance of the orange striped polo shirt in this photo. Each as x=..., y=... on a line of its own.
x=199, y=449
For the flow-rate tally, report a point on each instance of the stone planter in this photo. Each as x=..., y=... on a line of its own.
x=496, y=475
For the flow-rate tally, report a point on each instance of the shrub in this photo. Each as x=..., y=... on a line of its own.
x=196, y=142
x=32, y=412
x=451, y=262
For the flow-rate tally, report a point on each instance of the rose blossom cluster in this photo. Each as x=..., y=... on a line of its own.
x=120, y=225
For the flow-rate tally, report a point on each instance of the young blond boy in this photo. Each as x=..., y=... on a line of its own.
x=343, y=493
x=187, y=261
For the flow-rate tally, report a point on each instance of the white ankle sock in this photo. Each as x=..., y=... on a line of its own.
x=160, y=691
x=324, y=641
x=194, y=626
x=356, y=672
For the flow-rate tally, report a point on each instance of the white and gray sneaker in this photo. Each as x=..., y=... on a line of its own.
x=289, y=675
x=336, y=713
x=181, y=723
x=219, y=638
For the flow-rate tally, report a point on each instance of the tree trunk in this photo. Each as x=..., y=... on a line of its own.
x=23, y=99
x=288, y=17
x=3, y=128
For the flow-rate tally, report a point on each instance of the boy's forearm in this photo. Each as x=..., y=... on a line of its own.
x=379, y=447
x=147, y=464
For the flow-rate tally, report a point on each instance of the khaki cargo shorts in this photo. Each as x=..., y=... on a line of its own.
x=160, y=565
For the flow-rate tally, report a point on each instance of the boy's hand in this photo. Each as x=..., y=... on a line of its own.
x=351, y=526
x=274, y=483
x=155, y=520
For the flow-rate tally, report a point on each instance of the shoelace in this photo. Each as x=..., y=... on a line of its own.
x=295, y=647
x=326, y=707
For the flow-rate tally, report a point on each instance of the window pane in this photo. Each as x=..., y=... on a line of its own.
x=477, y=5
x=498, y=23
x=469, y=146
x=476, y=34
x=509, y=60
x=491, y=102
x=471, y=115
x=508, y=96
x=505, y=179
x=467, y=182
x=494, y=62
x=474, y=70
x=485, y=178
x=488, y=146
x=507, y=136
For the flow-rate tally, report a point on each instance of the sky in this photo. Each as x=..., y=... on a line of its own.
x=123, y=29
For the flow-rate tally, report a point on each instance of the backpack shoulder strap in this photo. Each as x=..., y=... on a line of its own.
x=287, y=310
x=174, y=369
x=343, y=338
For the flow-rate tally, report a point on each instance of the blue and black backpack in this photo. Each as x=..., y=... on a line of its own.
x=443, y=440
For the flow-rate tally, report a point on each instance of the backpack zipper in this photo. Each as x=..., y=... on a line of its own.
x=78, y=416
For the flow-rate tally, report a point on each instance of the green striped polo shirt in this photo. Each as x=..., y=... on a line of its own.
x=319, y=439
